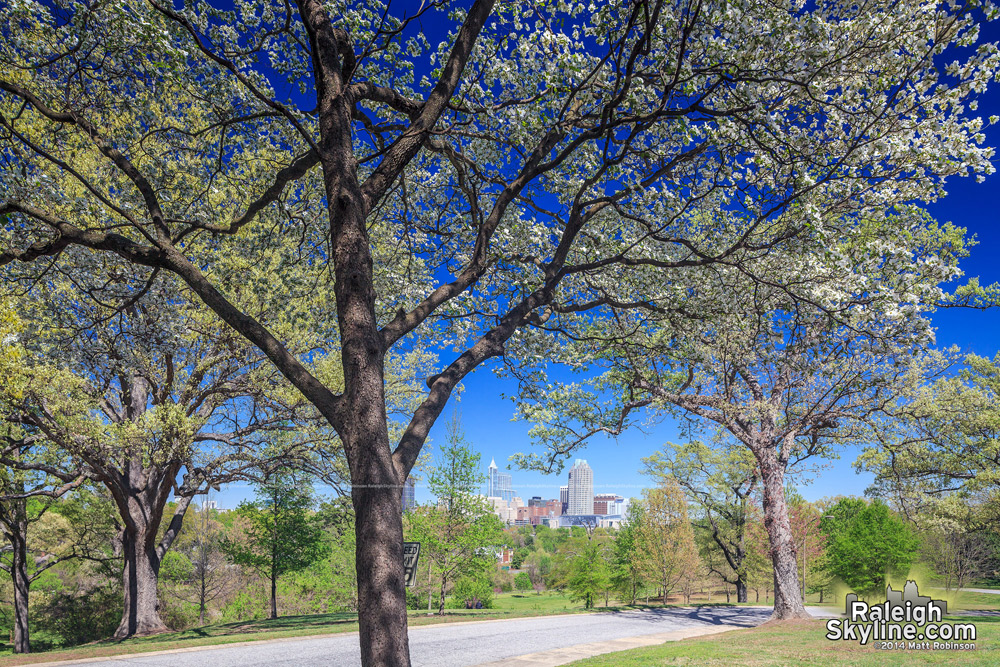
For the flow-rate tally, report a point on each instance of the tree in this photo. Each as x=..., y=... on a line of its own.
x=281, y=537
x=25, y=495
x=205, y=575
x=720, y=481
x=788, y=380
x=956, y=555
x=475, y=590
x=804, y=518
x=627, y=574
x=522, y=582
x=460, y=535
x=866, y=545
x=337, y=516
x=538, y=566
x=528, y=169
x=22, y=505
x=757, y=562
x=666, y=539
x=944, y=444
x=587, y=576
x=154, y=401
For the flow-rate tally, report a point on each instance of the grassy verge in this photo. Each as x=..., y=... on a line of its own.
x=797, y=643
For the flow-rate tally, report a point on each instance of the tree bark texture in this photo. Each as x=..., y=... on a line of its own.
x=22, y=585
x=787, y=602
x=140, y=576
x=381, y=591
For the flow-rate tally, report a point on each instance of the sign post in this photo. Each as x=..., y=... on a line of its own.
x=411, y=552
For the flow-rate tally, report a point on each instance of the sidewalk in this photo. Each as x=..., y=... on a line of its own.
x=562, y=656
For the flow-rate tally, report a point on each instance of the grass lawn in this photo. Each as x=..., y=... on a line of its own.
x=797, y=643
x=969, y=600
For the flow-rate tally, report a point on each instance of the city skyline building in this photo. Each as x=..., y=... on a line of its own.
x=581, y=488
x=409, y=494
x=609, y=503
x=498, y=484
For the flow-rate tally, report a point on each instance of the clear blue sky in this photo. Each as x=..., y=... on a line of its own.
x=616, y=464
x=487, y=417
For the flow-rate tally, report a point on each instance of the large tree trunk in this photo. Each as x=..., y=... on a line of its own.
x=140, y=576
x=787, y=603
x=22, y=584
x=381, y=591
x=741, y=590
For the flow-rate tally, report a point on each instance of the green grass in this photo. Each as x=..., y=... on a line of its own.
x=967, y=600
x=797, y=643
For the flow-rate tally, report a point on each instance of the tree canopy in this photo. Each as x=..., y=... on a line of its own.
x=544, y=166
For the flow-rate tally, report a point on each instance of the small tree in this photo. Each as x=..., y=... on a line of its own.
x=202, y=574
x=719, y=481
x=522, y=582
x=804, y=518
x=627, y=575
x=280, y=536
x=667, y=547
x=538, y=565
x=475, y=590
x=866, y=544
x=588, y=573
x=460, y=535
x=955, y=555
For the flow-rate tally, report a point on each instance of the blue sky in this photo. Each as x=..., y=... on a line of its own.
x=487, y=418
x=616, y=463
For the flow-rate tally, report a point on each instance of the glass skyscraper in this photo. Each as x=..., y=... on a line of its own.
x=409, y=494
x=498, y=484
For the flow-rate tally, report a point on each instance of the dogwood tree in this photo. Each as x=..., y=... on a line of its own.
x=788, y=379
x=151, y=404
x=942, y=457
x=527, y=168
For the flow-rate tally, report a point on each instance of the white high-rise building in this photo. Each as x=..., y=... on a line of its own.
x=581, y=488
x=498, y=484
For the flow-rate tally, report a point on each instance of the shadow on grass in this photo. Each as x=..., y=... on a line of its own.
x=316, y=622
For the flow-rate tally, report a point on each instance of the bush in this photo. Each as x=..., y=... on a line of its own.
x=178, y=614
x=245, y=606
x=504, y=581
x=416, y=600
x=77, y=619
x=472, y=590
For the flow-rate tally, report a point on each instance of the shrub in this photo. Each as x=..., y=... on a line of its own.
x=77, y=619
x=471, y=590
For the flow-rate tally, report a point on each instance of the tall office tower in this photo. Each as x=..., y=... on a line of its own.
x=581, y=488
x=564, y=498
x=498, y=483
x=409, y=494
